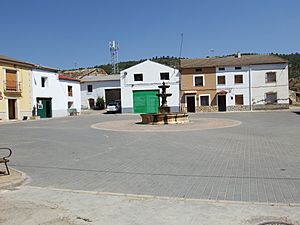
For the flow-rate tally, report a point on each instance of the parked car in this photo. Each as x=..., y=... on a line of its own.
x=114, y=107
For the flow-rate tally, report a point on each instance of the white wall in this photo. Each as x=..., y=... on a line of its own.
x=99, y=88
x=151, y=79
x=76, y=98
x=55, y=89
x=260, y=87
x=232, y=88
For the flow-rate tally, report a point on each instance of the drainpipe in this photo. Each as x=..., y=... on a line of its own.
x=250, y=94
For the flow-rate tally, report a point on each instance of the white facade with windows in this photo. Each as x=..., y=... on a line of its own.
x=269, y=85
x=257, y=85
x=48, y=85
x=235, y=82
x=145, y=76
x=93, y=87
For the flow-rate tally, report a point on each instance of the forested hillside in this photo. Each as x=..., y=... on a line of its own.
x=294, y=63
x=166, y=60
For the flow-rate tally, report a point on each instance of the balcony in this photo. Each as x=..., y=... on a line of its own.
x=12, y=89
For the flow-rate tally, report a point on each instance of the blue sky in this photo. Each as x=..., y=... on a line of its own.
x=60, y=33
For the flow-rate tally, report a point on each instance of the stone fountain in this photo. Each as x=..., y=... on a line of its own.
x=164, y=116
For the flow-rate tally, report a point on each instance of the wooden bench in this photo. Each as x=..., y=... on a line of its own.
x=73, y=112
x=3, y=159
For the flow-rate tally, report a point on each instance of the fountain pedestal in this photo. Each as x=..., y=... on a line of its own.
x=164, y=116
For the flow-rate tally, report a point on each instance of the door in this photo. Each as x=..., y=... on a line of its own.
x=12, y=109
x=91, y=103
x=145, y=101
x=222, y=103
x=48, y=108
x=190, y=103
x=112, y=95
x=44, y=107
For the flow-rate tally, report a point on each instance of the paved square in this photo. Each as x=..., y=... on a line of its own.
x=258, y=160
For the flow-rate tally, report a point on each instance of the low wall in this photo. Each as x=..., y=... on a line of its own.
x=235, y=108
x=270, y=106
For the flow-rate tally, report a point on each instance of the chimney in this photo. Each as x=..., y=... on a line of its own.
x=238, y=55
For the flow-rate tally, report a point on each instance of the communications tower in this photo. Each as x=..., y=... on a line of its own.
x=114, y=48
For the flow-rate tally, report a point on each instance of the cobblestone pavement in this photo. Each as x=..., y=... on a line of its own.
x=257, y=161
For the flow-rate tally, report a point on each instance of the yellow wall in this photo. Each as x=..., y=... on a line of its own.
x=24, y=76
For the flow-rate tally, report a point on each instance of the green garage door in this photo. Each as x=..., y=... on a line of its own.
x=145, y=102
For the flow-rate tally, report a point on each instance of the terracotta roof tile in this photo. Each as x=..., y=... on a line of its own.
x=63, y=77
x=244, y=60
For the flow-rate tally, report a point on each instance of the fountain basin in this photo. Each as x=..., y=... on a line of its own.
x=164, y=118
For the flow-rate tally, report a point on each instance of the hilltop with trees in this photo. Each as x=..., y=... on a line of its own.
x=294, y=63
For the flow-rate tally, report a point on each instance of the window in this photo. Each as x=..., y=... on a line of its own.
x=270, y=77
x=239, y=99
x=198, y=80
x=221, y=68
x=271, y=98
x=44, y=81
x=198, y=70
x=221, y=79
x=70, y=105
x=11, y=80
x=204, y=100
x=138, y=77
x=70, y=91
x=238, y=68
x=90, y=88
x=238, y=79
x=164, y=76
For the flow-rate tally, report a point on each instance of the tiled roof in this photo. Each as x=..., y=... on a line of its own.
x=63, y=77
x=7, y=59
x=100, y=78
x=80, y=73
x=244, y=60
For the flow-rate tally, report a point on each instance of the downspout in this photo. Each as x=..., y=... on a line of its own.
x=250, y=94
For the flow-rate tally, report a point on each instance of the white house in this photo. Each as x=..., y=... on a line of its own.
x=53, y=94
x=234, y=81
x=70, y=94
x=103, y=86
x=139, y=86
x=269, y=86
x=253, y=82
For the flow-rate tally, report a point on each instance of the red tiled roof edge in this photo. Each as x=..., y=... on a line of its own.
x=63, y=77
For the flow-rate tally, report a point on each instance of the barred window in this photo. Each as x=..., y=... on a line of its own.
x=270, y=77
x=204, y=100
x=239, y=99
x=271, y=98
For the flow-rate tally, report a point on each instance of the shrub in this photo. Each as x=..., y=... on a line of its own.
x=100, y=103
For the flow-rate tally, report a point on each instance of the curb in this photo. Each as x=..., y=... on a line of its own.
x=14, y=182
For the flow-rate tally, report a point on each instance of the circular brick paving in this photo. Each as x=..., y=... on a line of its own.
x=193, y=125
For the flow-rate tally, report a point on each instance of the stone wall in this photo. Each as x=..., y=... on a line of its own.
x=270, y=106
x=238, y=108
x=207, y=108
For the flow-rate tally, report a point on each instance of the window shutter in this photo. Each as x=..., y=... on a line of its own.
x=11, y=80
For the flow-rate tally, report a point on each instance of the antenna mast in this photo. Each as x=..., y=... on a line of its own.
x=114, y=48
